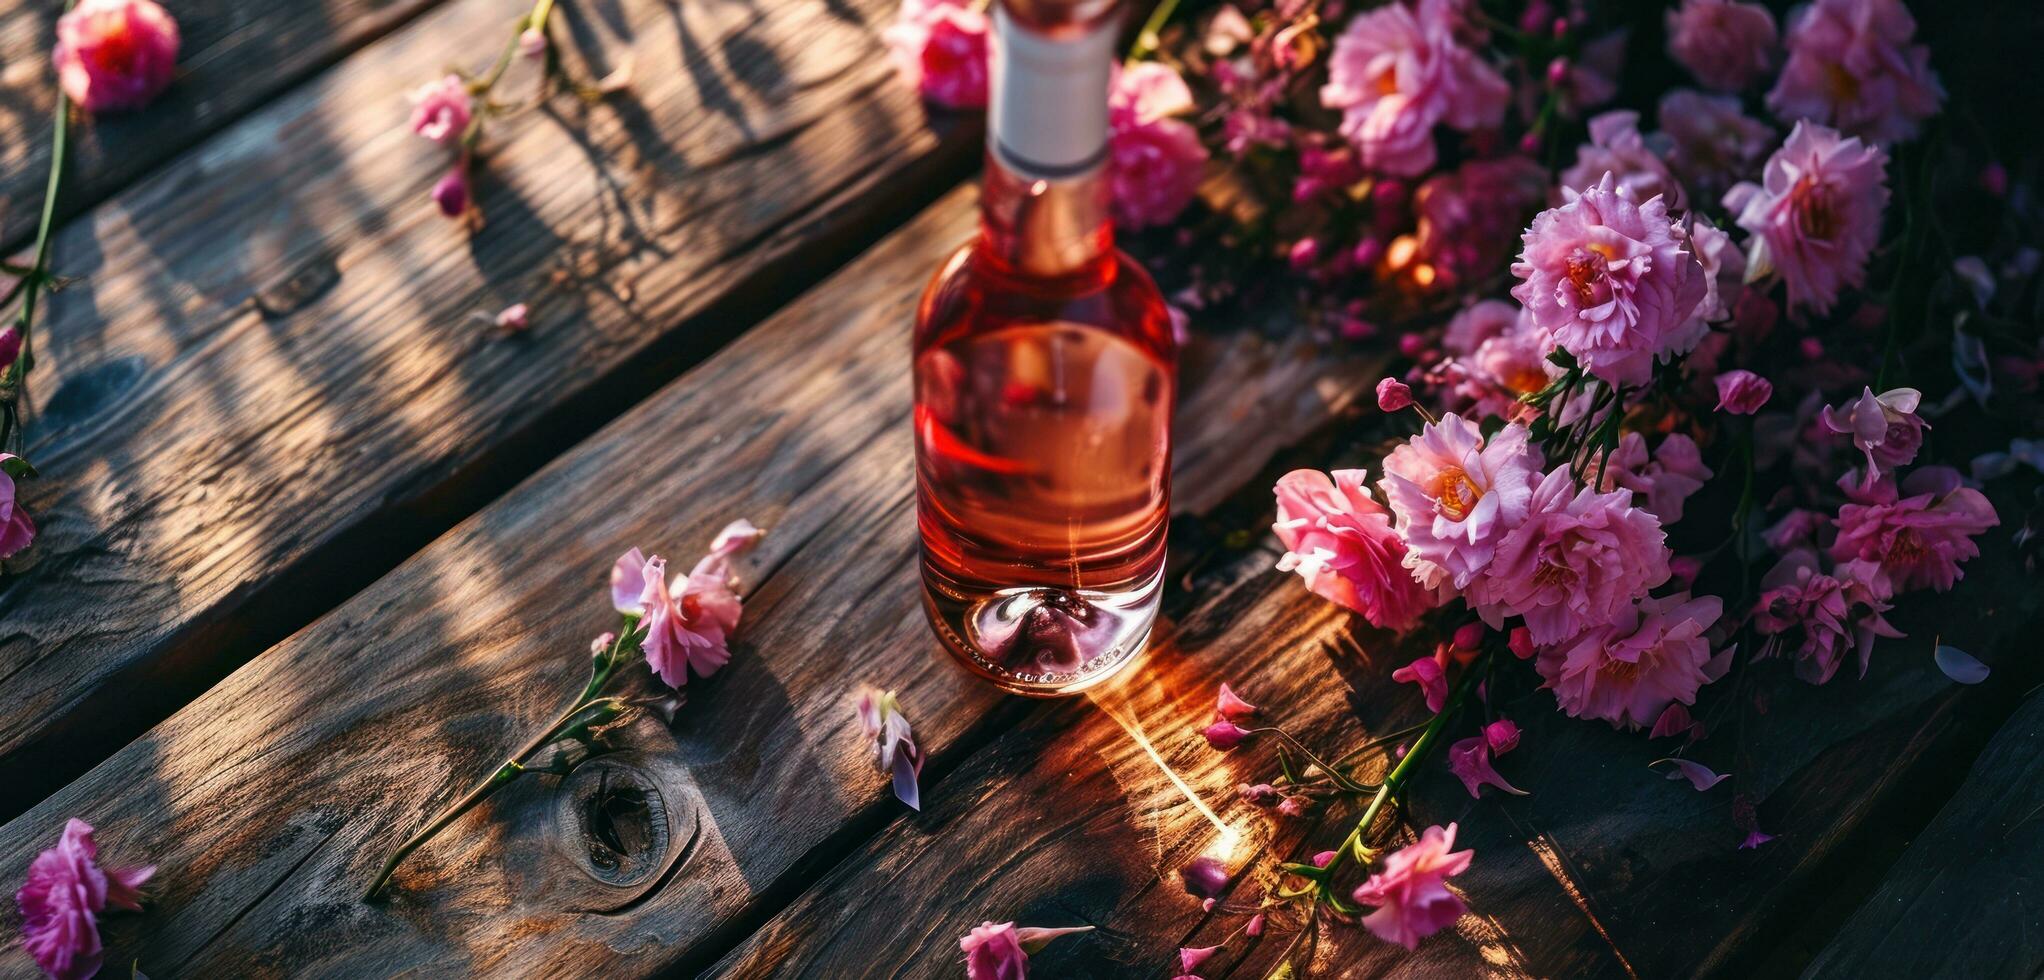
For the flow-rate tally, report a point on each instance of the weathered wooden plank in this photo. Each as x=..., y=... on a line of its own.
x=1963, y=900
x=270, y=800
x=271, y=384
x=235, y=57
x=1606, y=870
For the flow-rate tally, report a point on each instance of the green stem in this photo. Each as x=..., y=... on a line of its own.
x=37, y=275
x=1148, y=38
x=513, y=767
x=1395, y=782
x=1333, y=773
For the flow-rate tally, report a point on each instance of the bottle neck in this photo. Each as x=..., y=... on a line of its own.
x=1044, y=204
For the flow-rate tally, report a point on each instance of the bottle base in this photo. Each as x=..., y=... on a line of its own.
x=1043, y=642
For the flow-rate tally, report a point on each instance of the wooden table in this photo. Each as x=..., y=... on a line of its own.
x=319, y=548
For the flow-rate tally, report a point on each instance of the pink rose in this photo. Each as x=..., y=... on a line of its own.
x=1851, y=66
x=63, y=898
x=441, y=110
x=1616, y=147
x=1918, y=540
x=1727, y=46
x=940, y=47
x=1816, y=214
x=113, y=55
x=1455, y=494
x=1742, y=392
x=1408, y=893
x=1708, y=142
x=1608, y=277
x=1834, y=612
x=1396, y=73
x=1577, y=561
x=687, y=625
x=1339, y=539
x=1156, y=161
x=1629, y=670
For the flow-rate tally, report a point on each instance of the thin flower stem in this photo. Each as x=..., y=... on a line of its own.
x=36, y=277
x=1148, y=37
x=513, y=767
x=1333, y=773
x=1395, y=782
x=1384, y=739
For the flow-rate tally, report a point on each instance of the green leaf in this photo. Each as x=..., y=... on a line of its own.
x=1303, y=870
x=17, y=467
x=1283, y=971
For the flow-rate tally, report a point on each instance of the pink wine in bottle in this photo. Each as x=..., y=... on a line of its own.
x=1044, y=374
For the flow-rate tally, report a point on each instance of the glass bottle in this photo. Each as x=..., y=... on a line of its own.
x=1044, y=376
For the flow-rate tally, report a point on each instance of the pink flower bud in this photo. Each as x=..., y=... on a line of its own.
x=1261, y=794
x=1501, y=735
x=514, y=318
x=1304, y=255
x=113, y=55
x=451, y=193
x=1469, y=636
x=532, y=43
x=1255, y=926
x=1224, y=735
x=1520, y=642
x=602, y=642
x=1412, y=345
x=1323, y=859
x=1293, y=806
x=1393, y=395
x=10, y=347
x=1742, y=392
x=1229, y=707
x=1557, y=71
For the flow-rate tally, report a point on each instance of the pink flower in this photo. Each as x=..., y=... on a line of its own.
x=1918, y=540
x=940, y=47
x=1469, y=220
x=1431, y=678
x=1396, y=73
x=1708, y=142
x=17, y=532
x=1229, y=707
x=1340, y=541
x=1191, y=958
x=1725, y=45
x=1616, y=147
x=514, y=318
x=1834, y=612
x=450, y=194
x=113, y=55
x=1455, y=493
x=992, y=952
x=1610, y=280
x=1885, y=427
x=1393, y=395
x=688, y=624
x=894, y=746
x=1478, y=323
x=1850, y=65
x=1627, y=671
x=1223, y=736
x=1578, y=561
x=1520, y=642
x=441, y=110
x=1501, y=735
x=1156, y=160
x=1204, y=877
x=1816, y=214
x=1409, y=893
x=1591, y=78
x=1742, y=392
x=532, y=43
x=10, y=346
x=1724, y=273
x=1469, y=760
x=65, y=893
x=1664, y=482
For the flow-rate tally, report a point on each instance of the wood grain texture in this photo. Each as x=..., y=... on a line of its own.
x=1607, y=869
x=235, y=57
x=1963, y=901
x=270, y=799
x=276, y=377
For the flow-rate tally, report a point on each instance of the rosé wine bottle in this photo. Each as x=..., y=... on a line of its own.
x=1044, y=373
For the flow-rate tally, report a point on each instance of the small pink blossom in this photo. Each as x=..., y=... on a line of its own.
x=532, y=43
x=1431, y=678
x=1742, y=392
x=1224, y=736
x=1835, y=613
x=894, y=746
x=1609, y=279
x=1501, y=735
x=1230, y=707
x=1469, y=760
x=1409, y=891
x=1591, y=78
x=1340, y=541
x=113, y=55
x=1708, y=142
x=1851, y=65
x=1885, y=427
x=1630, y=668
x=687, y=625
x=1156, y=160
x=514, y=318
x=601, y=642
x=1455, y=493
x=1204, y=877
x=1192, y=958
x=940, y=47
x=1921, y=539
x=1520, y=642
x=1395, y=73
x=441, y=110
x=17, y=531
x=1727, y=46
x=1815, y=216
x=992, y=952
x=1662, y=483
x=1617, y=148
x=64, y=896
x=1578, y=561
x=450, y=193
x=1393, y=395
x=10, y=346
